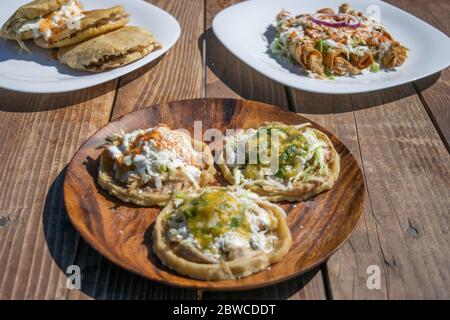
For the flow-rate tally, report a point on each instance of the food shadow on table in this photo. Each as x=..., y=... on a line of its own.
x=269, y=35
x=10, y=50
x=243, y=81
x=101, y=279
x=14, y=101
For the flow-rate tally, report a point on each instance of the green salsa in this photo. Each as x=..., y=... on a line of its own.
x=212, y=214
x=292, y=148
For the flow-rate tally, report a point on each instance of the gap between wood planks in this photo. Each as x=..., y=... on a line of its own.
x=116, y=91
x=432, y=117
x=221, y=67
x=358, y=127
x=291, y=104
x=423, y=9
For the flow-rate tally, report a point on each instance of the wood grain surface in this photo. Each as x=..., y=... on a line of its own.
x=227, y=76
x=122, y=232
x=399, y=148
x=40, y=134
x=178, y=75
x=434, y=90
x=399, y=137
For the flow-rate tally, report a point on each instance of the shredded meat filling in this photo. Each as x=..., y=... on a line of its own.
x=112, y=58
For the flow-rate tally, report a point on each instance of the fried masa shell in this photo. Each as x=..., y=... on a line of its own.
x=30, y=11
x=109, y=50
x=153, y=196
x=93, y=24
x=224, y=270
x=300, y=190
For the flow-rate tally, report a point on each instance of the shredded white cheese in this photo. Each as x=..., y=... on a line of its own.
x=171, y=157
x=69, y=14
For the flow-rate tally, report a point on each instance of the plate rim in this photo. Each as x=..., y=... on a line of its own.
x=21, y=86
x=205, y=284
x=332, y=89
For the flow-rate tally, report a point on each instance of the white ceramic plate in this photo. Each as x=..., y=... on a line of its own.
x=41, y=73
x=246, y=28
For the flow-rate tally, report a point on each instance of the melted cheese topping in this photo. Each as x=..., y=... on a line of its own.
x=223, y=224
x=152, y=156
x=69, y=14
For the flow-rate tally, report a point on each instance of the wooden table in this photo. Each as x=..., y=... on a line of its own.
x=400, y=137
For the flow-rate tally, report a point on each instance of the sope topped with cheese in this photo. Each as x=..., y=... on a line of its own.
x=218, y=233
x=299, y=153
x=146, y=165
x=280, y=161
x=151, y=156
x=220, y=224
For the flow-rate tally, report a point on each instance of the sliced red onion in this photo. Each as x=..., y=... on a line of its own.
x=353, y=22
x=345, y=20
x=318, y=18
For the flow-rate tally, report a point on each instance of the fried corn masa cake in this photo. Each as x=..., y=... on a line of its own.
x=110, y=50
x=90, y=24
x=300, y=162
x=19, y=25
x=146, y=166
x=53, y=23
x=220, y=233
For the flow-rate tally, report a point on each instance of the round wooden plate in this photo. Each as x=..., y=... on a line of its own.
x=122, y=232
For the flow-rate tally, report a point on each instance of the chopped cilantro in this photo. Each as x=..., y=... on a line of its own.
x=289, y=153
x=235, y=222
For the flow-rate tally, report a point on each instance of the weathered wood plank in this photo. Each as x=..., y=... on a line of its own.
x=408, y=174
x=402, y=230
x=434, y=90
x=40, y=134
x=436, y=99
x=178, y=75
x=307, y=287
x=226, y=76
x=335, y=113
x=406, y=167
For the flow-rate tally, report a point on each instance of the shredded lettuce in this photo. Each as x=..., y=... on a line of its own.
x=301, y=158
x=374, y=67
x=319, y=157
x=277, y=47
x=328, y=73
x=319, y=46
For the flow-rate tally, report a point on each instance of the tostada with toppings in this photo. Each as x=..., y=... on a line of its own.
x=220, y=233
x=282, y=162
x=146, y=166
